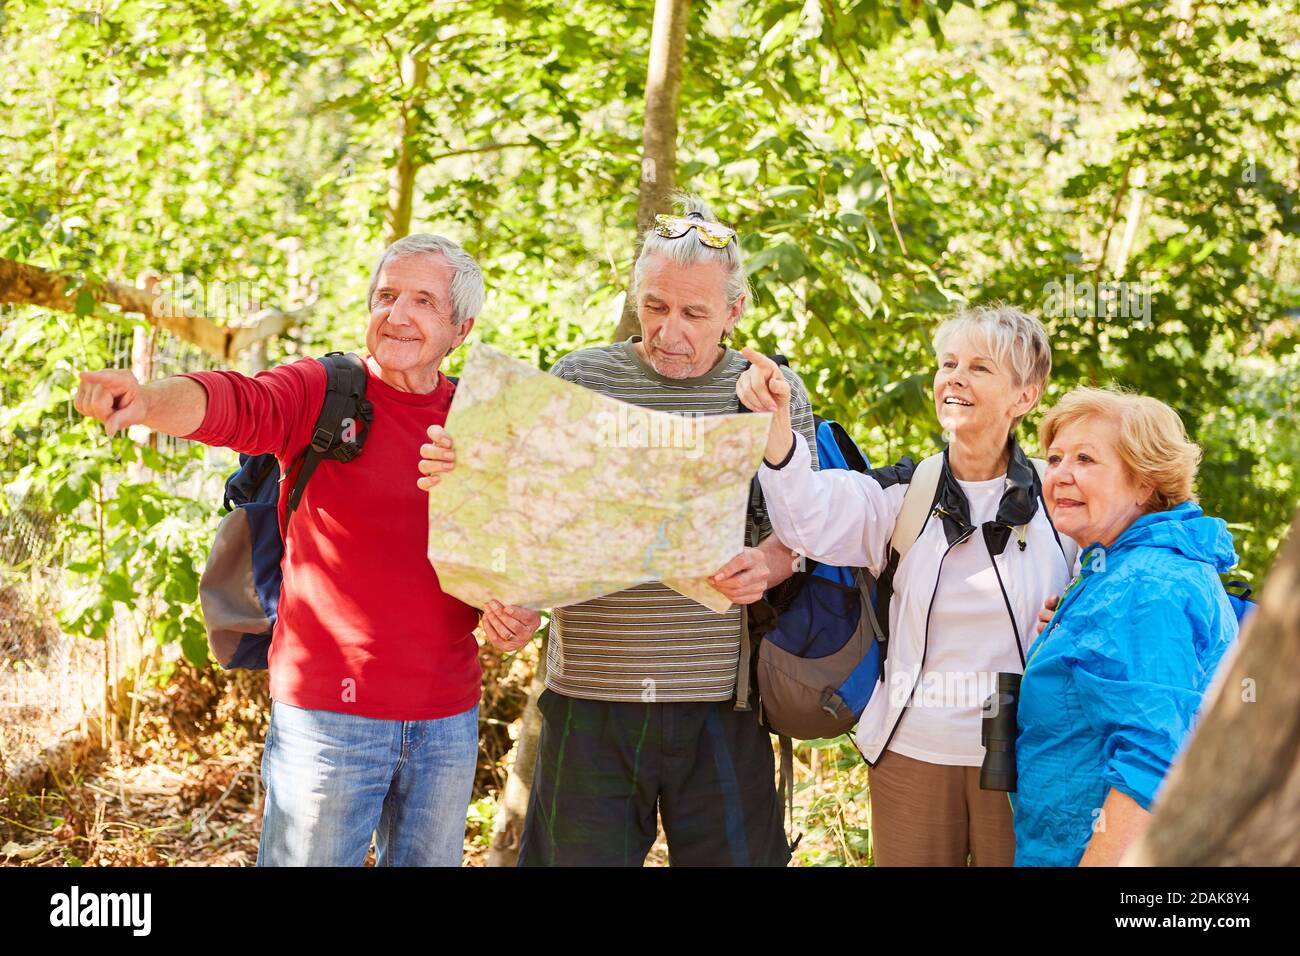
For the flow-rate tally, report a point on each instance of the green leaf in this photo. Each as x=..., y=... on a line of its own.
x=194, y=645
x=85, y=303
x=791, y=262
x=761, y=259
x=118, y=587
x=866, y=293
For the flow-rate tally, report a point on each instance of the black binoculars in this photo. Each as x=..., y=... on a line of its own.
x=998, y=734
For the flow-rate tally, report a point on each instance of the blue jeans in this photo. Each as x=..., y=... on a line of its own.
x=332, y=780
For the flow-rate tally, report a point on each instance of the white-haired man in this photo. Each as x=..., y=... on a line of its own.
x=639, y=716
x=374, y=670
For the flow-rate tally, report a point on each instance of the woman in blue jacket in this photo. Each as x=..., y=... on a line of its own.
x=1113, y=684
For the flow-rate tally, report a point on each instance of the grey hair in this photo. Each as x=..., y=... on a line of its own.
x=467, y=291
x=1016, y=339
x=687, y=250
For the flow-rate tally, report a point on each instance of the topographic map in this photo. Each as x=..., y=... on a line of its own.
x=561, y=494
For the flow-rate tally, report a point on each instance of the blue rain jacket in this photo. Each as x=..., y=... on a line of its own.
x=1114, y=682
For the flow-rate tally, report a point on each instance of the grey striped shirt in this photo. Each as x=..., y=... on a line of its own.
x=648, y=642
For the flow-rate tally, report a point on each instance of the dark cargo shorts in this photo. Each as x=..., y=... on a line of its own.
x=604, y=768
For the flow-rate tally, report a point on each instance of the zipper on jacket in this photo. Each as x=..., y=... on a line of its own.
x=1015, y=629
x=1071, y=594
x=925, y=642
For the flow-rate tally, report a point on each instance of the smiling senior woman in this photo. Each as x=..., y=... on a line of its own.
x=1114, y=682
x=963, y=602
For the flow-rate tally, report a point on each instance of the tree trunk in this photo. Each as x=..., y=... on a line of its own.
x=1233, y=799
x=658, y=175
x=401, y=178
x=512, y=805
x=659, y=137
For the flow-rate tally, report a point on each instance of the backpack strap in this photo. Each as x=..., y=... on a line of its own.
x=786, y=786
x=742, y=668
x=752, y=508
x=848, y=448
x=867, y=585
x=1068, y=546
x=917, y=502
x=344, y=404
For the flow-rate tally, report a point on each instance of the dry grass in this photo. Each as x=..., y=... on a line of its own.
x=189, y=794
x=46, y=677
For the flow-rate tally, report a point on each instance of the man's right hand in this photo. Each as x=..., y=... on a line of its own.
x=1045, y=615
x=112, y=396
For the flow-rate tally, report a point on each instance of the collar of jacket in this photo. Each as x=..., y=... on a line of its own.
x=1018, y=505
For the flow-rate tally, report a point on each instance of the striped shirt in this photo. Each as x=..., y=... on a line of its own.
x=649, y=643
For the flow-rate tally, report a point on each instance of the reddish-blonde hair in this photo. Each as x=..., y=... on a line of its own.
x=1153, y=444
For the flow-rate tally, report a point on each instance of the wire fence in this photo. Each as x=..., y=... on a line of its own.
x=51, y=682
x=48, y=680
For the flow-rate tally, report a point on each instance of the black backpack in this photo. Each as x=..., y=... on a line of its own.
x=240, y=587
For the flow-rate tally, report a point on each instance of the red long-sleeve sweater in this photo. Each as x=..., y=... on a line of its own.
x=363, y=626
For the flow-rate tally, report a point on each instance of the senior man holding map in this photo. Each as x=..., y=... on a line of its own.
x=610, y=511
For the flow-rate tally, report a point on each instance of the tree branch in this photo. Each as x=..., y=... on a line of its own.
x=470, y=151
x=23, y=284
x=866, y=117
x=659, y=132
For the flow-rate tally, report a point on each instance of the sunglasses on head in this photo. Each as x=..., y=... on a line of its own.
x=712, y=234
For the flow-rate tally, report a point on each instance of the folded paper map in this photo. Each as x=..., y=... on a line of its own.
x=561, y=494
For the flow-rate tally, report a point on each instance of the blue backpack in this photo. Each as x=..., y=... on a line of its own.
x=240, y=587
x=819, y=658
x=1239, y=597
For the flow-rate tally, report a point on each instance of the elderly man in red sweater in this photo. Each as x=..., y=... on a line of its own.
x=374, y=670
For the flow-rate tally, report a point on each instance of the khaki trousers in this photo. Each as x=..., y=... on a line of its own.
x=925, y=814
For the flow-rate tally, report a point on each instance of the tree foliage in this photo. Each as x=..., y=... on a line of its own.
x=884, y=162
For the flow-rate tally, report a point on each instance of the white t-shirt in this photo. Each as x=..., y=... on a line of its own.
x=971, y=639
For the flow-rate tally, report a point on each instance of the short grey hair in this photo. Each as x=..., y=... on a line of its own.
x=467, y=291
x=684, y=252
x=1016, y=339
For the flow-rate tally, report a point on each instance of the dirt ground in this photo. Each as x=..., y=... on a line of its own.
x=188, y=792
